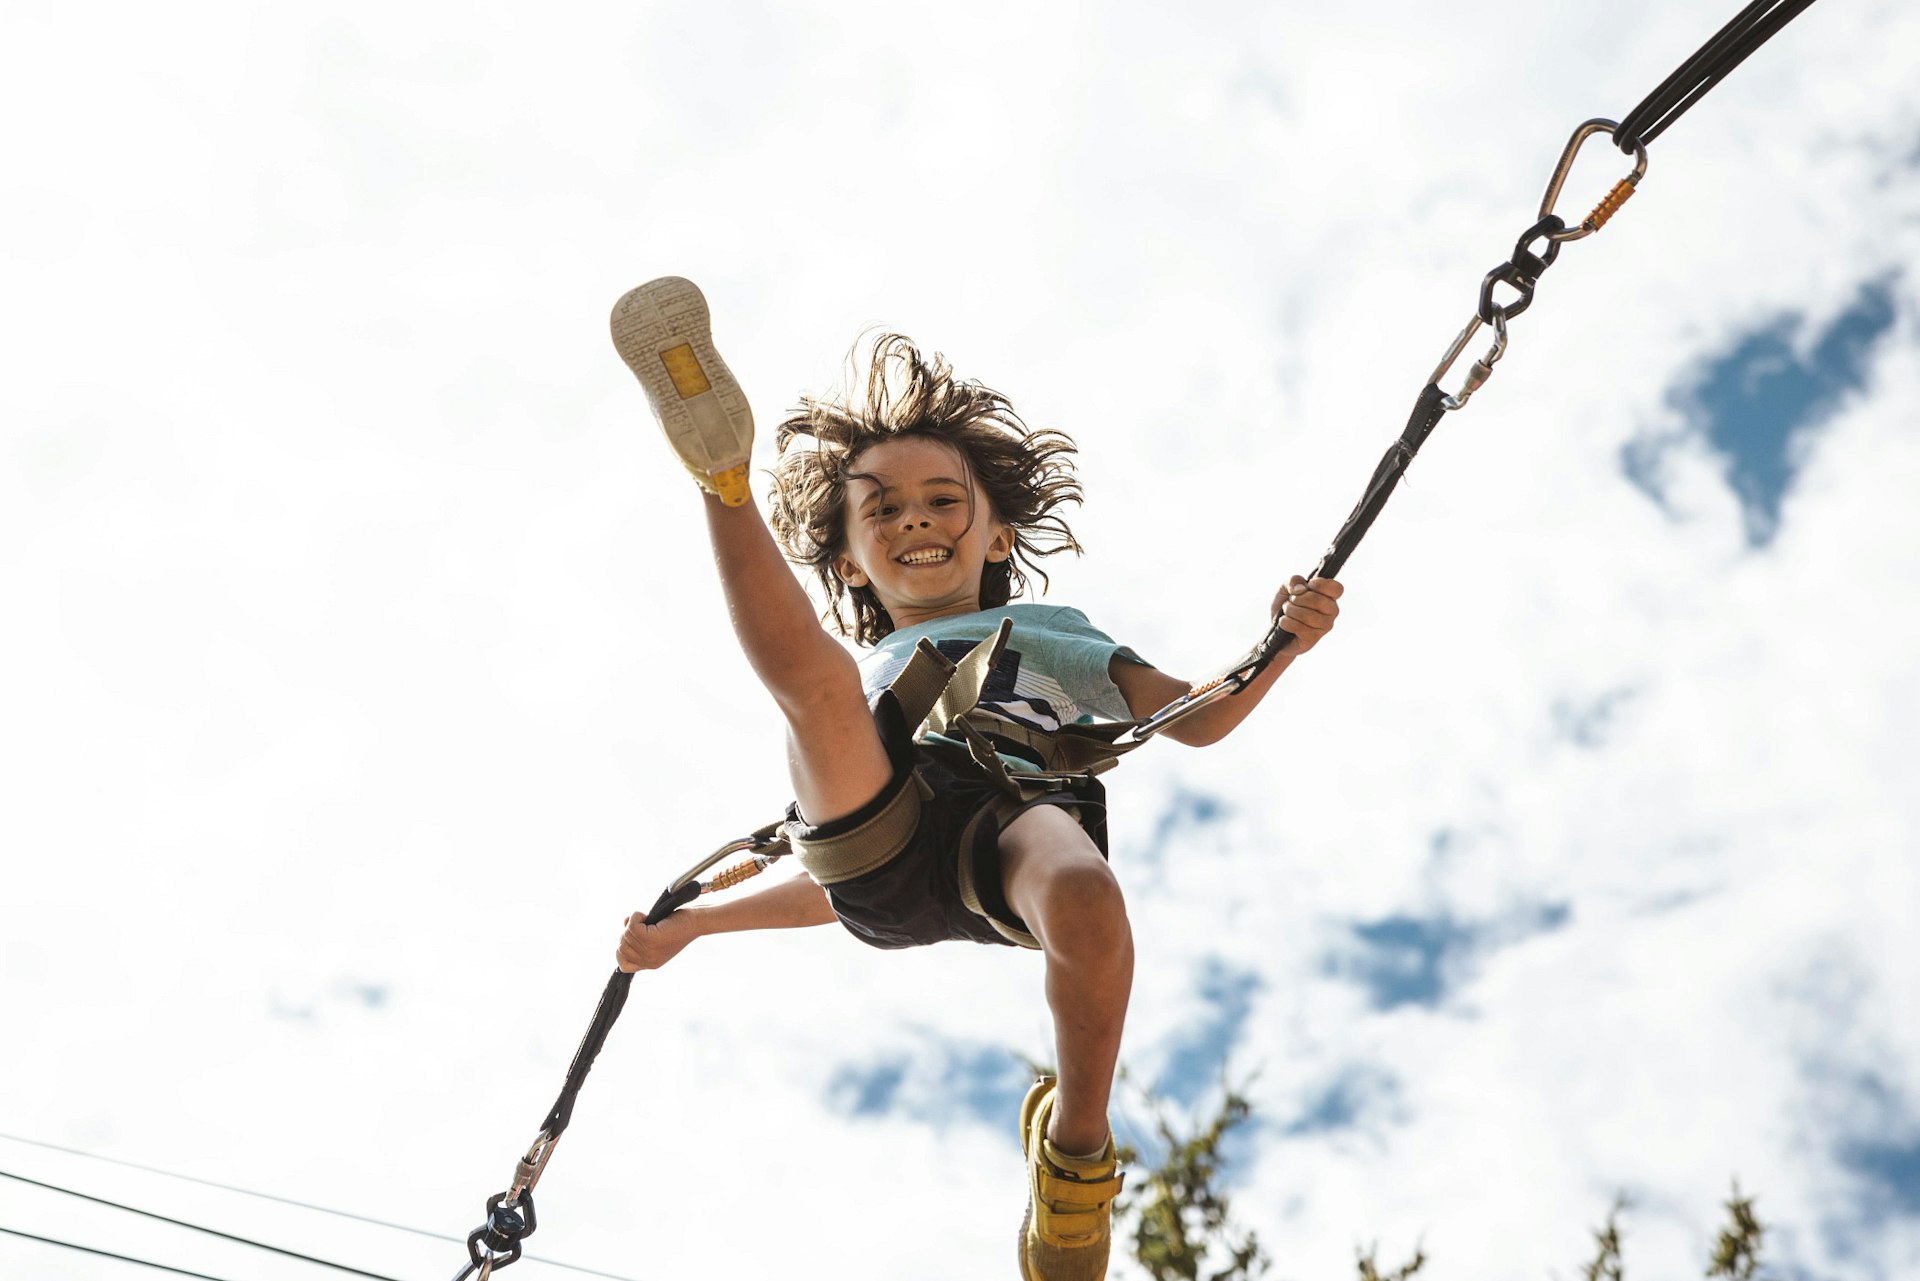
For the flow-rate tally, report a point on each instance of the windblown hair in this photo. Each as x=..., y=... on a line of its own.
x=1026, y=474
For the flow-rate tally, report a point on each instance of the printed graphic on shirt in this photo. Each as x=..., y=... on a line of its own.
x=1034, y=699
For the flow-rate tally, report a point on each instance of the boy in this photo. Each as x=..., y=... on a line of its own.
x=919, y=511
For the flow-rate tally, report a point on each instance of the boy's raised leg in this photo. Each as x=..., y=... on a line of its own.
x=663, y=332
x=834, y=753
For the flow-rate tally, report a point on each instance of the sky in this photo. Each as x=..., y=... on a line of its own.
x=362, y=663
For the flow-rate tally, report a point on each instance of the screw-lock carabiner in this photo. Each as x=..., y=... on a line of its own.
x=1608, y=206
x=756, y=844
x=1482, y=368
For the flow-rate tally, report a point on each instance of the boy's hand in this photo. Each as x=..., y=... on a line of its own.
x=648, y=947
x=1307, y=609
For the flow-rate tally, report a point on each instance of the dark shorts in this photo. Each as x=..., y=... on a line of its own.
x=915, y=897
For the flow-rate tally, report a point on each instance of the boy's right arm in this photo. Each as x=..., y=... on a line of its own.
x=787, y=904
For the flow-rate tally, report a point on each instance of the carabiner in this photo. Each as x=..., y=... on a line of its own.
x=1196, y=698
x=759, y=842
x=1482, y=368
x=1608, y=206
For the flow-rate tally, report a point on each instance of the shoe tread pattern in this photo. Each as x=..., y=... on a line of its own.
x=712, y=431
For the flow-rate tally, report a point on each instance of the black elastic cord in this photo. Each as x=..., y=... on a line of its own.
x=108, y=1254
x=1752, y=27
x=212, y=1232
x=1428, y=410
x=613, y=998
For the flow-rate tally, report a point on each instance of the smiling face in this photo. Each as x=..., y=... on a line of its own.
x=919, y=530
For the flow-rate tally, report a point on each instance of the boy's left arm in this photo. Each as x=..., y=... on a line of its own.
x=1307, y=609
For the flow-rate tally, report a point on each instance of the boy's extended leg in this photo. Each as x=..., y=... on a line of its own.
x=1056, y=880
x=834, y=754
x=662, y=331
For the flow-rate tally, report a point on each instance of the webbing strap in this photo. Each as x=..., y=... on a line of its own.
x=857, y=851
x=1071, y=749
x=939, y=696
x=921, y=682
x=997, y=812
x=1057, y=1190
x=965, y=681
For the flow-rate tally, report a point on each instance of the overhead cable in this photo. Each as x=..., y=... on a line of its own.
x=290, y=1201
x=108, y=1254
x=212, y=1232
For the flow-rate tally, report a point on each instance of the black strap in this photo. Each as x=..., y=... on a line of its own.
x=613, y=998
x=1752, y=27
x=1428, y=410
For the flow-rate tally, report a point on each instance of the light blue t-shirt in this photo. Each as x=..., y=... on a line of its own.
x=1053, y=671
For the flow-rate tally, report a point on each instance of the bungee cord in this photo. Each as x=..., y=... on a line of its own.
x=1752, y=27
x=510, y=1214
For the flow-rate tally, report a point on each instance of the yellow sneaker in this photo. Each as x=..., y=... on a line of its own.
x=1069, y=1225
x=663, y=332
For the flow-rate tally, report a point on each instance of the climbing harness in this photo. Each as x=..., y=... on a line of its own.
x=946, y=693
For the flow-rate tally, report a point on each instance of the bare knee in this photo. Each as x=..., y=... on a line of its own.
x=1072, y=902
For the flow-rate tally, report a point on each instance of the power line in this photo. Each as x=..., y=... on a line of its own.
x=213, y=1232
x=108, y=1254
x=298, y=1205
x=264, y=1196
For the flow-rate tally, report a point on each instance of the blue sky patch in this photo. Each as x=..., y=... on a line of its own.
x=1887, y=1159
x=1891, y=1170
x=1342, y=1103
x=1404, y=958
x=872, y=1089
x=1414, y=960
x=1197, y=1059
x=937, y=1081
x=1187, y=811
x=1754, y=404
x=984, y=1082
x=1588, y=722
x=371, y=995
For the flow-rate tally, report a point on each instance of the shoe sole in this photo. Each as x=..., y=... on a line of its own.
x=663, y=332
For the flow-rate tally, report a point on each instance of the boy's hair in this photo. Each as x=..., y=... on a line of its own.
x=1025, y=474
